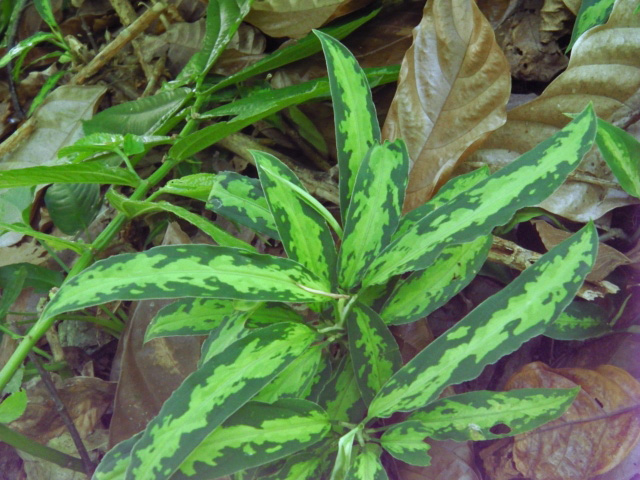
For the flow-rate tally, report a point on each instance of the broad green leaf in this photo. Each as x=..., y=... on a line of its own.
x=495, y=328
x=374, y=209
x=133, y=208
x=367, y=465
x=51, y=240
x=116, y=461
x=40, y=278
x=422, y=292
x=140, y=117
x=257, y=434
x=341, y=397
x=223, y=19
x=292, y=52
x=89, y=172
x=72, y=206
x=294, y=381
x=493, y=201
x=12, y=407
x=11, y=292
x=242, y=200
x=46, y=13
x=621, y=152
x=356, y=124
x=473, y=415
x=303, y=231
x=196, y=186
x=231, y=329
x=342, y=463
x=591, y=14
x=25, y=45
x=407, y=444
x=579, y=321
x=211, y=394
x=188, y=271
x=374, y=351
x=448, y=192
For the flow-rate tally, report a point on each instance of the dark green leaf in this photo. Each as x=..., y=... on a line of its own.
x=72, y=206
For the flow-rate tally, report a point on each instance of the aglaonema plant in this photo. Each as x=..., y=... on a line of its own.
x=282, y=395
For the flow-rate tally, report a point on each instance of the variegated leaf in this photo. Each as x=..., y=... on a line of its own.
x=230, y=329
x=374, y=209
x=270, y=313
x=114, y=464
x=302, y=466
x=188, y=271
x=320, y=379
x=211, y=394
x=242, y=200
x=256, y=434
x=495, y=328
x=197, y=186
x=374, y=351
x=356, y=124
x=621, y=151
x=341, y=397
x=367, y=465
x=473, y=415
x=422, y=292
x=580, y=321
x=493, y=201
x=407, y=444
x=294, y=381
x=303, y=232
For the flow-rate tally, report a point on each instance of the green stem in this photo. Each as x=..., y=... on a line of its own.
x=31, y=447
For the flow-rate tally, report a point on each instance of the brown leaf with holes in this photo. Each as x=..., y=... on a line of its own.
x=593, y=436
x=453, y=88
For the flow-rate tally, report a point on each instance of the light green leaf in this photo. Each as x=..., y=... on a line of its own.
x=495, y=328
x=51, y=240
x=473, y=213
x=342, y=464
x=407, y=444
x=621, y=152
x=374, y=351
x=242, y=200
x=197, y=186
x=12, y=407
x=188, y=271
x=116, y=461
x=341, y=397
x=25, y=45
x=307, y=465
x=473, y=415
x=72, y=206
x=422, y=292
x=580, y=321
x=211, y=394
x=88, y=172
x=357, y=128
x=49, y=84
x=303, y=231
x=591, y=14
x=367, y=465
x=140, y=117
x=374, y=209
x=46, y=13
x=230, y=329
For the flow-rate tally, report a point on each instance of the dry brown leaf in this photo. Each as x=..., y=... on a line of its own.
x=608, y=258
x=604, y=69
x=590, y=438
x=556, y=18
x=449, y=460
x=453, y=88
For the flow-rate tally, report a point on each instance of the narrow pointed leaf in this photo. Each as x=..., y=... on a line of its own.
x=591, y=14
x=579, y=321
x=242, y=200
x=374, y=209
x=422, y=292
x=493, y=201
x=116, y=461
x=357, y=128
x=187, y=271
x=621, y=152
x=303, y=232
x=25, y=45
x=367, y=465
x=475, y=415
x=407, y=444
x=231, y=329
x=197, y=186
x=90, y=172
x=374, y=351
x=321, y=378
x=302, y=466
x=495, y=328
x=343, y=461
x=341, y=397
x=211, y=394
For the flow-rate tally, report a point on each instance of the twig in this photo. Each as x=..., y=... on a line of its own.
x=11, y=40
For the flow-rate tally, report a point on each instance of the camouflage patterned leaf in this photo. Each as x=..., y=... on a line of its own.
x=231, y=329
x=407, y=444
x=357, y=128
x=474, y=415
x=303, y=231
x=366, y=464
x=374, y=351
x=341, y=397
x=187, y=271
x=493, y=201
x=114, y=464
x=242, y=200
x=621, y=152
x=256, y=434
x=321, y=378
x=422, y=292
x=579, y=321
x=211, y=394
x=591, y=14
x=496, y=327
x=374, y=209
x=197, y=186
x=302, y=466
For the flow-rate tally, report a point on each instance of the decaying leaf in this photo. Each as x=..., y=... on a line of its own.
x=556, y=16
x=449, y=460
x=592, y=437
x=453, y=88
x=604, y=69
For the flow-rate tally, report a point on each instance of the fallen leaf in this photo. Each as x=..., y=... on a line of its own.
x=557, y=16
x=452, y=91
x=449, y=460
